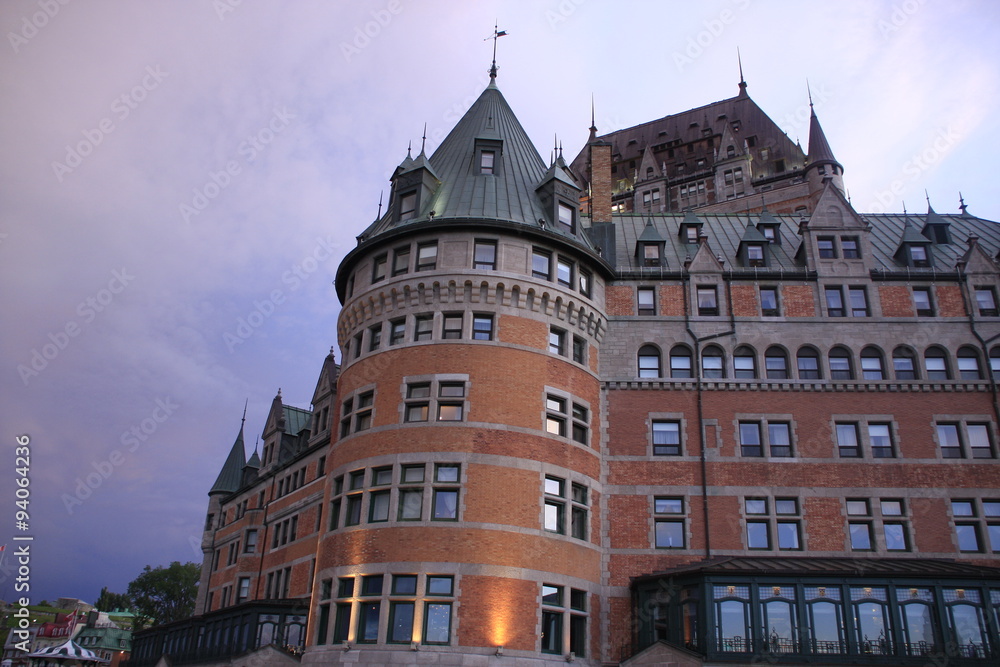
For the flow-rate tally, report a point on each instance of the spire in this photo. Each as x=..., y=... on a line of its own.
x=423, y=139
x=743, y=83
x=593, y=122
x=961, y=204
x=495, y=36
x=231, y=476
x=819, y=147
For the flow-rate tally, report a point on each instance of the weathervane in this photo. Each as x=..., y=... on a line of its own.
x=496, y=35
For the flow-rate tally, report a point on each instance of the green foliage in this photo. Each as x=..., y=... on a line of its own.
x=164, y=594
x=109, y=601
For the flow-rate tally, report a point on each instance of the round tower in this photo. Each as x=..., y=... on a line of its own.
x=465, y=483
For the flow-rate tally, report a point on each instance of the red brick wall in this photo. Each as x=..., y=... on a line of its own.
x=896, y=301
x=745, y=301
x=504, y=613
x=600, y=183
x=798, y=300
x=523, y=331
x=672, y=300
x=620, y=300
x=949, y=301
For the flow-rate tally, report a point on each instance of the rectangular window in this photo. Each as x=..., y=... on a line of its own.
x=779, y=438
x=437, y=622
x=755, y=254
x=423, y=326
x=880, y=439
x=452, y=326
x=708, y=301
x=486, y=161
x=564, y=272
x=666, y=438
x=834, y=302
x=374, y=337
x=923, y=302
x=646, y=301
x=585, y=280
x=427, y=254
x=482, y=327
x=948, y=439
x=858, y=298
x=769, y=301
x=750, y=444
x=827, y=249
x=397, y=331
x=379, y=265
x=408, y=206
x=401, y=261
x=850, y=247
x=980, y=446
x=541, y=264
x=670, y=529
x=859, y=531
x=557, y=341
x=445, y=505
x=378, y=507
x=986, y=301
x=567, y=217
x=579, y=350
x=485, y=255
x=847, y=441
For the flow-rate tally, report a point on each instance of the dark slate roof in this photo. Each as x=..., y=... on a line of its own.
x=819, y=147
x=296, y=419
x=231, y=476
x=834, y=567
x=107, y=638
x=726, y=230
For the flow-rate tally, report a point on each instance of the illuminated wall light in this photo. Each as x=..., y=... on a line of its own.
x=499, y=650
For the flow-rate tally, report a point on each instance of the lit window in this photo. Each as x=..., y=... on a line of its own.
x=669, y=523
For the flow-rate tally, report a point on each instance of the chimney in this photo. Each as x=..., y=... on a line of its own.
x=600, y=182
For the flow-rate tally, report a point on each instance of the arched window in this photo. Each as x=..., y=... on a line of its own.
x=872, y=366
x=904, y=363
x=712, y=362
x=680, y=361
x=649, y=361
x=840, y=364
x=808, y=362
x=936, y=363
x=776, y=363
x=744, y=363
x=968, y=364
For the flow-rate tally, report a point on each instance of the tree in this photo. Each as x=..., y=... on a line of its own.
x=164, y=594
x=109, y=601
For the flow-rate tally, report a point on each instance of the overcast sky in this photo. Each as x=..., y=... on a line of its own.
x=180, y=180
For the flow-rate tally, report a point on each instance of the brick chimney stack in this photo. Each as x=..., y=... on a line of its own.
x=600, y=181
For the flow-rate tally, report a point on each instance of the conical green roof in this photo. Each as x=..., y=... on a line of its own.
x=231, y=476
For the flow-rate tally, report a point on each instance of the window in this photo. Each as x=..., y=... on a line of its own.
x=847, y=441
x=965, y=440
x=859, y=525
x=374, y=337
x=871, y=364
x=968, y=364
x=776, y=363
x=903, y=364
x=585, y=280
x=567, y=217
x=758, y=533
x=397, y=331
x=923, y=302
x=894, y=525
x=669, y=530
x=556, y=504
x=977, y=524
x=750, y=440
x=744, y=363
x=565, y=417
x=242, y=589
x=808, y=364
x=579, y=350
x=880, y=440
x=408, y=206
x=485, y=255
x=680, y=362
x=541, y=264
x=827, y=249
x=755, y=254
x=858, y=298
x=427, y=256
x=486, y=160
x=379, y=265
x=452, y=325
x=649, y=362
x=401, y=261
x=712, y=363
x=708, y=301
x=557, y=341
x=482, y=327
x=356, y=413
x=769, y=301
x=986, y=301
x=250, y=542
x=834, y=302
x=556, y=618
x=918, y=256
x=650, y=254
x=849, y=247
x=666, y=438
x=423, y=326
x=779, y=438
x=788, y=524
x=995, y=363
x=936, y=364
x=439, y=397
x=646, y=301
x=444, y=501
x=840, y=364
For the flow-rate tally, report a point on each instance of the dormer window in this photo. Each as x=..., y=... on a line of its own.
x=567, y=217
x=486, y=162
x=650, y=254
x=408, y=206
x=755, y=254
x=691, y=234
x=850, y=248
x=770, y=233
x=918, y=256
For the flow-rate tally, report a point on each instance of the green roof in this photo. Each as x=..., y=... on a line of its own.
x=231, y=476
x=296, y=419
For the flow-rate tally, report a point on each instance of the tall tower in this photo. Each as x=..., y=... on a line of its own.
x=465, y=487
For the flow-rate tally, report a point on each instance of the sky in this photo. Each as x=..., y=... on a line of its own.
x=180, y=179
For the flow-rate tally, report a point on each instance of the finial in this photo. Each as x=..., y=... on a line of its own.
x=381, y=192
x=904, y=211
x=810, y=94
x=927, y=197
x=560, y=150
x=244, y=421
x=331, y=350
x=423, y=139
x=961, y=203
x=496, y=35
x=409, y=146
x=743, y=83
x=593, y=121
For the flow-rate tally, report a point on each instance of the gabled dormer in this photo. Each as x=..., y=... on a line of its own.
x=914, y=249
x=754, y=250
x=650, y=247
x=936, y=228
x=413, y=183
x=690, y=227
x=976, y=260
x=769, y=226
x=559, y=195
x=835, y=239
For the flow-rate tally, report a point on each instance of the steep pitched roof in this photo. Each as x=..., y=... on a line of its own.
x=231, y=476
x=819, y=148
